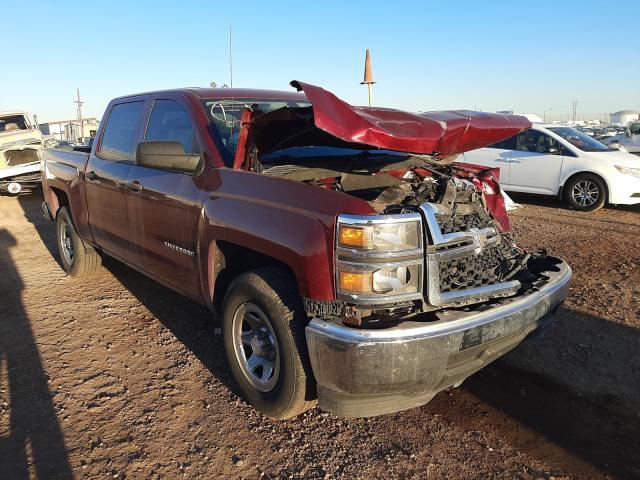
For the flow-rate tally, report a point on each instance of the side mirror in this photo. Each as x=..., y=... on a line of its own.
x=627, y=132
x=167, y=156
x=553, y=150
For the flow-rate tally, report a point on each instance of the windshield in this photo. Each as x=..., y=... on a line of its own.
x=580, y=140
x=13, y=122
x=225, y=116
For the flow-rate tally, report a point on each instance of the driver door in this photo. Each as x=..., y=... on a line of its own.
x=164, y=206
x=536, y=163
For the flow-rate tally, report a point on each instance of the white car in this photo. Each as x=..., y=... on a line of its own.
x=562, y=161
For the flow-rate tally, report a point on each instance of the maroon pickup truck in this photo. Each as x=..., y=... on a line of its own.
x=351, y=260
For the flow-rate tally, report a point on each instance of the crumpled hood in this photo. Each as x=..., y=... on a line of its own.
x=333, y=122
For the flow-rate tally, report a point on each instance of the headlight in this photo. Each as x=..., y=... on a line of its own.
x=388, y=279
x=384, y=237
x=379, y=258
x=628, y=170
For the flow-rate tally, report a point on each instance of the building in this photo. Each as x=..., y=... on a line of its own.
x=70, y=129
x=624, y=116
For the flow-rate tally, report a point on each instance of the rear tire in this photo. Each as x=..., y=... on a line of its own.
x=78, y=258
x=263, y=324
x=585, y=192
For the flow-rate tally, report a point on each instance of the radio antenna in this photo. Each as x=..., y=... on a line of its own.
x=230, y=60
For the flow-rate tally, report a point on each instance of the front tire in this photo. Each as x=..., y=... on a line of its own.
x=585, y=192
x=78, y=258
x=263, y=325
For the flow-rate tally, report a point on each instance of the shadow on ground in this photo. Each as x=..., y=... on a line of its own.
x=192, y=324
x=31, y=206
x=578, y=386
x=33, y=436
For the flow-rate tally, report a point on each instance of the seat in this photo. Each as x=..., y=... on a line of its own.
x=8, y=127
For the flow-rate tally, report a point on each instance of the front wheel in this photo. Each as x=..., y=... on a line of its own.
x=585, y=192
x=263, y=325
x=78, y=258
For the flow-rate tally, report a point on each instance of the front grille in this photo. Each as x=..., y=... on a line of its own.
x=462, y=223
x=474, y=270
x=466, y=259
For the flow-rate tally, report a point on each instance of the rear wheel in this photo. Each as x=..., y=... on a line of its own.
x=78, y=258
x=585, y=192
x=263, y=326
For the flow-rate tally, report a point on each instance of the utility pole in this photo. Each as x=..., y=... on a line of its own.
x=574, y=108
x=79, y=113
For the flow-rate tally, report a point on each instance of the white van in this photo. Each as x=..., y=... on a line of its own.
x=562, y=161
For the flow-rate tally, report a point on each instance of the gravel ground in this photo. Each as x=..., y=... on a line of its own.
x=119, y=377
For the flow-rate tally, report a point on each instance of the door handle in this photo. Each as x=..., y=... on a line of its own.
x=134, y=186
x=515, y=161
x=92, y=175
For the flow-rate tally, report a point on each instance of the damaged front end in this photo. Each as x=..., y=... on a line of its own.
x=403, y=165
x=434, y=244
x=430, y=286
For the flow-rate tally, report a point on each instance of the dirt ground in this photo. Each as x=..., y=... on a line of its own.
x=118, y=377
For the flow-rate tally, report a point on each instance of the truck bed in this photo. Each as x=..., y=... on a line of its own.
x=73, y=158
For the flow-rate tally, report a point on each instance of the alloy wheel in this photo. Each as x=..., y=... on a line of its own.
x=585, y=193
x=256, y=347
x=66, y=242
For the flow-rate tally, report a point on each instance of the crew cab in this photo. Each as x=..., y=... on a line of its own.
x=352, y=262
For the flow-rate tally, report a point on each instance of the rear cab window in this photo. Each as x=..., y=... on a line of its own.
x=121, y=131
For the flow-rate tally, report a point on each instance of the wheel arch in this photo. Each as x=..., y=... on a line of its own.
x=607, y=187
x=228, y=260
x=58, y=198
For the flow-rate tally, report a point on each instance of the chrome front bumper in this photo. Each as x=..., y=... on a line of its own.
x=363, y=372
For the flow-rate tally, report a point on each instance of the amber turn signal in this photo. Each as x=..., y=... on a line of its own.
x=355, y=236
x=355, y=282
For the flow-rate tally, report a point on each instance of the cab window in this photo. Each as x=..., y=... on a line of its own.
x=119, y=137
x=537, y=142
x=170, y=122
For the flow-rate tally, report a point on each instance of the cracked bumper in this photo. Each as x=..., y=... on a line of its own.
x=372, y=372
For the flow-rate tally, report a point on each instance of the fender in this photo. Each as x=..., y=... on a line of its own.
x=290, y=221
x=64, y=171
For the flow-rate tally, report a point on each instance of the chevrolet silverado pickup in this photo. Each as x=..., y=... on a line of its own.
x=351, y=260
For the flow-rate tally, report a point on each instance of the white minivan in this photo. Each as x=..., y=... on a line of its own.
x=562, y=161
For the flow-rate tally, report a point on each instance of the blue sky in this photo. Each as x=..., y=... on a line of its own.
x=527, y=56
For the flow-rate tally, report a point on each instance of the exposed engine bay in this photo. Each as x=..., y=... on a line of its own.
x=471, y=256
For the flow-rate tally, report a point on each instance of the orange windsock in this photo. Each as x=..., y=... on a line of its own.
x=368, y=74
